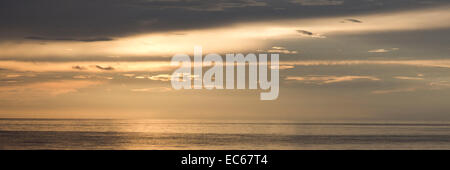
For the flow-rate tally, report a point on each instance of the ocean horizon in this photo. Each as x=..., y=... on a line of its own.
x=161, y=134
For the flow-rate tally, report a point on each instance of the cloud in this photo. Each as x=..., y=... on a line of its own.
x=201, y=5
x=152, y=89
x=443, y=63
x=78, y=68
x=46, y=88
x=279, y=50
x=436, y=85
x=378, y=51
x=128, y=75
x=124, y=66
x=70, y=20
x=318, y=2
x=408, y=78
x=255, y=34
x=140, y=77
x=161, y=77
x=108, y=68
x=309, y=34
x=81, y=77
x=282, y=67
x=69, y=39
x=13, y=75
x=383, y=50
x=329, y=79
x=352, y=20
x=92, y=76
x=411, y=89
x=440, y=85
x=168, y=77
x=305, y=32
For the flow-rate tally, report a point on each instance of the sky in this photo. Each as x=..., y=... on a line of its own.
x=339, y=59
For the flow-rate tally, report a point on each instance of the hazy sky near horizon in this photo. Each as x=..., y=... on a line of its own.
x=340, y=59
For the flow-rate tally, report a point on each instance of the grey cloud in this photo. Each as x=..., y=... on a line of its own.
x=318, y=2
x=96, y=39
x=353, y=20
x=200, y=5
x=304, y=32
x=80, y=20
x=309, y=34
x=69, y=39
x=108, y=68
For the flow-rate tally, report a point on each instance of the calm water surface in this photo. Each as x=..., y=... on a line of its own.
x=196, y=134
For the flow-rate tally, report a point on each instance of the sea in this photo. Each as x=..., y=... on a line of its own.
x=153, y=134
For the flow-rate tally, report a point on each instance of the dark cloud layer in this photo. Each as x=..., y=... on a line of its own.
x=70, y=39
x=80, y=20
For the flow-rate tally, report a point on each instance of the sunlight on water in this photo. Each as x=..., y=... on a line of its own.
x=201, y=134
